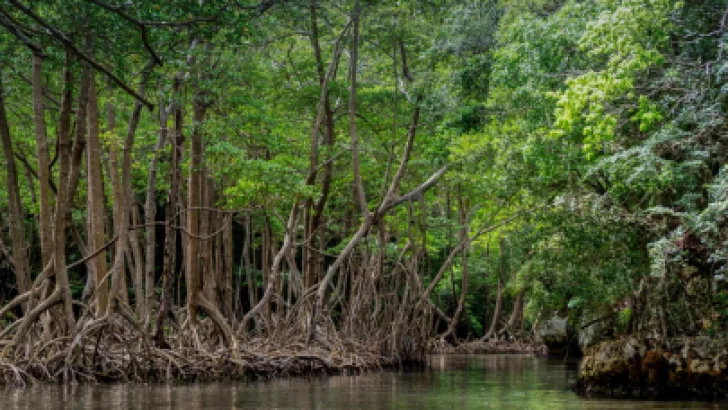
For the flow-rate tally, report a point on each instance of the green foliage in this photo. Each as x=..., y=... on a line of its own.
x=626, y=38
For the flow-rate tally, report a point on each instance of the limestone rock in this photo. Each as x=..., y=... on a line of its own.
x=678, y=368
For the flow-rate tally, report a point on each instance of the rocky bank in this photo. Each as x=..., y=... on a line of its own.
x=677, y=368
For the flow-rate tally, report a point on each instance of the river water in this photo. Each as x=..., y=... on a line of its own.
x=450, y=382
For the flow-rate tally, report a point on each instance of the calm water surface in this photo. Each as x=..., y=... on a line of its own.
x=450, y=382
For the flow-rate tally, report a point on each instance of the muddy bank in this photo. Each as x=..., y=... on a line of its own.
x=678, y=368
x=489, y=347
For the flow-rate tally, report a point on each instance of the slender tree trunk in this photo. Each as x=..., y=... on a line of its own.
x=250, y=278
x=514, y=322
x=79, y=142
x=313, y=219
x=209, y=283
x=268, y=279
x=136, y=253
x=74, y=174
x=195, y=294
x=227, y=245
x=21, y=263
x=497, y=313
x=123, y=194
x=95, y=212
x=464, y=265
x=358, y=187
x=44, y=161
x=169, y=267
x=499, y=298
x=48, y=231
x=423, y=227
x=194, y=202
x=391, y=198
x=353, y=67
x=118, y=277
x=61, y=219
x=150, y=210
x=287, y=245
x=30, y=181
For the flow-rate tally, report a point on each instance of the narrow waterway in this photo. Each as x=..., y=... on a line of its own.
x=449, y=382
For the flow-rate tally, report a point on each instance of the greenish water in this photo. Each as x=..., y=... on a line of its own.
x=449, y=382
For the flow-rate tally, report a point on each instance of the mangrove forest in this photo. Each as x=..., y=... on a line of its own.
x=236, y=189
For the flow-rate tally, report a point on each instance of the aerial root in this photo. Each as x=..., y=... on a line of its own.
x=111, y=349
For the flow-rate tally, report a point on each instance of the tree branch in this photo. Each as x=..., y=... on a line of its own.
x=417, y=191
x=60, y=36
x=143, y=27
x=17, y=33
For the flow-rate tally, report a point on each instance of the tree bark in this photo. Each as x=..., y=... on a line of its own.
x=21, y=264
x=169, y=264
x=195, y=294
x=79, y=142
x=499, y=298
x=514, y=322
x=250, y=277
x=140, y=300
x=353, y=63
x=209, y=275
x=227, y=244
x=464, y=266
x=44, y=161
x=95, y=212
x=150, y=210
x=194, y=202
x=123, y=194
x=313, y=217
x=61, y=220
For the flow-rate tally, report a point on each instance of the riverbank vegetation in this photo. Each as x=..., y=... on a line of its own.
x=194, y=183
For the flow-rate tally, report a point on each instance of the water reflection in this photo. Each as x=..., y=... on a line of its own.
x=450, y=382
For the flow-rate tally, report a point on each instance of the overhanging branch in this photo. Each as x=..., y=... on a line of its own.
x=60, y=36
x=143, y=27
x=414, y=194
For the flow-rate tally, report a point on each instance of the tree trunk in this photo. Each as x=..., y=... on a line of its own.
x=169, y=265
x=250, y=277
x=227, y=244
x=150, y=210
x=464, y=265
x=268, y=279
x=123, y=196
x=194, y=202
x=44, y=161
x=209, y=282
x=95, y=212
x=353, y=67
x=195, y=296
x=21, y=263
x=264, y=302
x=140, y=300
x=79, y=142
x=118, y=277
x=499, y=298
x=62, y=211
x=514, y=322
x=314, y=216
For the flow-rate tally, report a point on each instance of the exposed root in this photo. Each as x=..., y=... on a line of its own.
x=492, y=346
x=111, y=349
